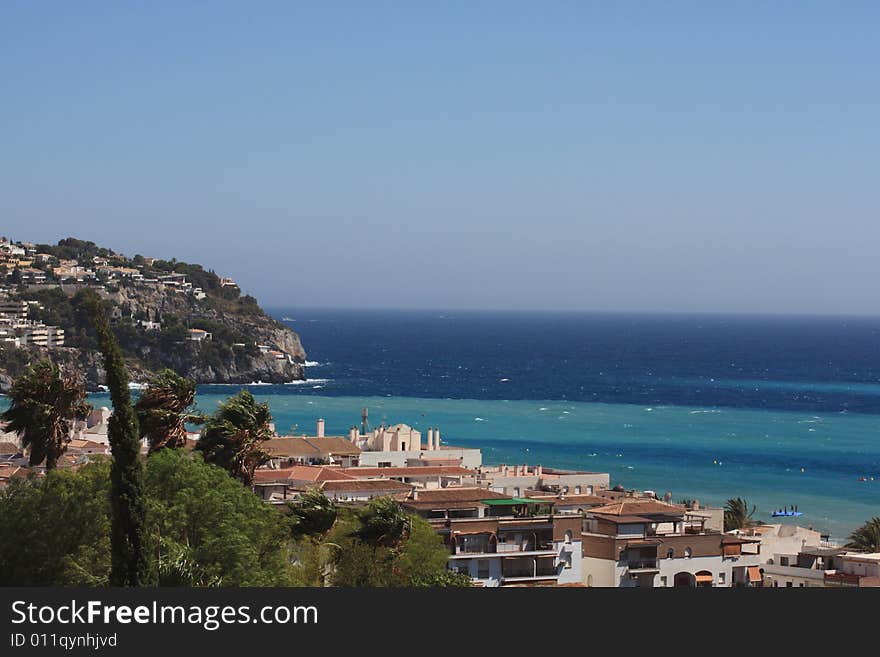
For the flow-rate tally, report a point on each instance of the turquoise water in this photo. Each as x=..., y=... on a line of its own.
x=706, y=453
x=779, y=410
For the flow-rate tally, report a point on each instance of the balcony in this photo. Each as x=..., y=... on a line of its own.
x=522, y=570
x=526, y=546
x=642, y=566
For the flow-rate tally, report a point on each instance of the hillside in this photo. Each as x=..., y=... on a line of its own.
x=166, y=313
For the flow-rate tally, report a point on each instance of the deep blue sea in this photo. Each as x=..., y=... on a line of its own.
x=778, y=410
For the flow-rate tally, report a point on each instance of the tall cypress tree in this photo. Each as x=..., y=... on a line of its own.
x=128, y=539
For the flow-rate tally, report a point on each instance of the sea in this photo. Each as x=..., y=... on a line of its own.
x=782, y=411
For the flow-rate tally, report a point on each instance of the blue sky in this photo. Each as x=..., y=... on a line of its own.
x=563, y=155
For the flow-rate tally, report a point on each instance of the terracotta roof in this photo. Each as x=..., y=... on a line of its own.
x=87, y=444
x=299, y=474
x=7, y=470
x=411, y=471
x=371, y=485
x=310, y=446
x=621, y=520
x=9, y=448
x=632, y=506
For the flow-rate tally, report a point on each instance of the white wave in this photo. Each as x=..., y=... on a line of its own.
x=311, y=363
x=543, y=408
x=303, y=382
x=479, y=419
x=316, y=387
x=649, y=409
x=258, y=383
x=706, y=411
x=503, y=380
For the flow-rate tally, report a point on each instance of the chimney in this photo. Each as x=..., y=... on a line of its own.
x=437, y=438
x=321, y=428
x=353, y=434
x=538, y=470
x=525, y=469
x=430, y=439
x=516, y=471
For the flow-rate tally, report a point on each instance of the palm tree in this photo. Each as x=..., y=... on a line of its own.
x=737, y=514
x=313, y=515
x=867, y=537
x=383, y=523
x=233, y=436
x=164, y=408
x=45, y=402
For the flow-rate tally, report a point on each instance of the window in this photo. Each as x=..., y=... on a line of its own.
x=589, y=580
x=384, y=464
x=789, y=585
x=483, y=568
x=663, y=580
x=577, y=490
x=783, y=561
x=721, y=577
x=687, y=553
x=516, y=491
x=670, y=553
x=402, y=447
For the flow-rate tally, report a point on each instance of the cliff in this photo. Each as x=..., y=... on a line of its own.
x=164, y=313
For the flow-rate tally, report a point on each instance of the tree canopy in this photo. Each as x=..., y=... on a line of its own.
x=203, y=528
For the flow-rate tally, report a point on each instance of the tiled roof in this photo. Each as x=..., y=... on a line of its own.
x=310, y=446
x=638, y=507
x=299, y=473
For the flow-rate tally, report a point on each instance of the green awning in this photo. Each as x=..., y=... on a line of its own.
x=508, y=501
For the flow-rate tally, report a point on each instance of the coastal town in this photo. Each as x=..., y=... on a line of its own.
x=516, y=525
x=172, y=313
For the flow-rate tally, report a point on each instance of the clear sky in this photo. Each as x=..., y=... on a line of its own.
x=558, y=155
